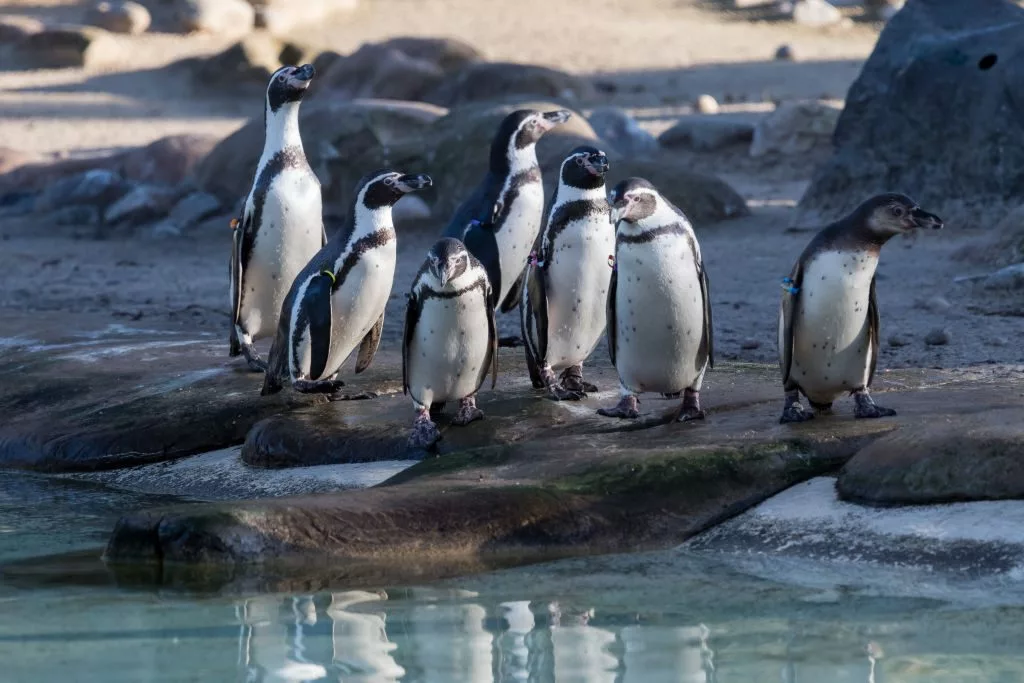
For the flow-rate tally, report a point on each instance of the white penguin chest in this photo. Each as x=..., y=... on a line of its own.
x=449, y=348
x=288, y=234
x=578, y=275
x=831, y=349
x=659, y=309
x=518, y=232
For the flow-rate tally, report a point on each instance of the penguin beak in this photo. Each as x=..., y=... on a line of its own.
x=596, y=164
x=306, y=72
x=550, y=119
x=412, y=183
x=923, y=219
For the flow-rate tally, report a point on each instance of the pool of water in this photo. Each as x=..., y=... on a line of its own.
x=647, y=618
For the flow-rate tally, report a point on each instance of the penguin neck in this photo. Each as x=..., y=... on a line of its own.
x=370, y=221
x=282, y=130
x=571, y=193
x=519, y=160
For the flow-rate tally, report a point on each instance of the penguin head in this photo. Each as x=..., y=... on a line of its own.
x=584, y=168
x=385, y=187
x=447, y=260
x=633, y=200
x=288, y=84
x=887, y=215
x=519, y=131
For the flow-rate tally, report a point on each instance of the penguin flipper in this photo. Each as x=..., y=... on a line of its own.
x=479, y=206
x=412, y=316
x=368, y=347
x=492, y=341
x=709, y=336
x=483, y=245
x=790, y=301
x=317, y=304
x=873, y=331
x=613, y=285
x=239, y=240
x=513, y=294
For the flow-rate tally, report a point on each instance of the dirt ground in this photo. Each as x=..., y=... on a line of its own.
x=659, y=53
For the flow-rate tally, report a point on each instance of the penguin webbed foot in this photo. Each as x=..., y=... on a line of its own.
x=795, y=412
x=867, y=408
x=628, y=408
x=318, y=386
x=468, y=412
x=253, y=359
x=341, y=396
x=559, y=392
x=425, y=435
x=691, y=410
x=572, y=380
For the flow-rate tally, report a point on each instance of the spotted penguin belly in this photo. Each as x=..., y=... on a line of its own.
x=831, y=341
x=578, y=278
x=289, y=235
x=659, y=318
x=449, y=348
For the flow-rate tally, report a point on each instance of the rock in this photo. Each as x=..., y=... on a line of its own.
x=78, y=215
x=449, y=54
x=143, y=203
x=971, y=51
x=215, y=16
x=96, y=187
x=938, y=337
x=898, y=340
x=249, y=62
x=11, y=159
x=815, y=13
x=378, y=71
x=120, y=17
x=193, y=208
x=168, y=161
x=703, y=197
x=621, y=131
x=410, y=209
x=750, y=344
x=285, y=16
x=15, y=28
x=1010, y=277
x=706, y=104
x=501, y=80
x=705, y=134
x=935, y=304
x=794, y=128
x=69, y=46
x=882, y=10
x=784, y=53
x=976, y=457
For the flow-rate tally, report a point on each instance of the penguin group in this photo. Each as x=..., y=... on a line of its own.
x=623, y=264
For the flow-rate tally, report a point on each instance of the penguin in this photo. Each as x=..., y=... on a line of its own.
x=501, y=220
x=828, y=318
x=282, y=223
x=451, y=338
x=562, y=310
x=337, y=302
x=659, y=306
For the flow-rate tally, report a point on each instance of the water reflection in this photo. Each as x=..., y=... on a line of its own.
x=451, y=637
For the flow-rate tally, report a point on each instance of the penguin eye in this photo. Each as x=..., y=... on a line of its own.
x=579, y=161
x=281, y=78
x=390, y=180
x=898, y=211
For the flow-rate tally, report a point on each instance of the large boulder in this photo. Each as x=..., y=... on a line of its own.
x=60, y=47
x=120, y=17
x=233, y=17
x=247, y=64
x=283, y=16
x=497, y=80
x=935, y=113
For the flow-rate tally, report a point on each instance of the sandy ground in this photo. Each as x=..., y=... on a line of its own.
x=661, y=54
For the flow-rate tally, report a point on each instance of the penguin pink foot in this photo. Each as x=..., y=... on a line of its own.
x=572, y=379
x=794, y=412
x=557, y=391
x=867, y=408
x=468, y=412
x=691, y=409
x=628, y=408
x=425, y=433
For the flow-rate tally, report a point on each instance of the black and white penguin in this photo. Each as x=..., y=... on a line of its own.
x=828, y=319
x=451, y=339
x=501, y=220
x=562, y=312
x=337, y=302
x=659, y=307
x=282, y=223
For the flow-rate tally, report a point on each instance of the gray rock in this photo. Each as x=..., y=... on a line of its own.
x=283, y=16
x=249, y=62
x=77, y=215
x=707, y=133
x=706, y=104
x=971, y=51
x=69, y=46
x=215, y=16
x=15, y=28
x=794, y=128
x=815, y=13
x=380, y=71
x=938, y=337
x=450, y=54
x=161, y=230
x=97, y=187
x=898, y=340
x=141, y=204
x=1010, y=277
x=193, y=208
x=120, y=17
x=622, y=131
x=935, y=304
x=500, y=80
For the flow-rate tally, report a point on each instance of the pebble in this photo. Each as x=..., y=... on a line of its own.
x=935, y=304
x=706, y=104
x=898, y=340
x=784, y=53
x=750, y=344
x=816, y=13
x=940, y=336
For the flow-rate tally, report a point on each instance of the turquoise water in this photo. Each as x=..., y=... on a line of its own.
x=650, y=618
